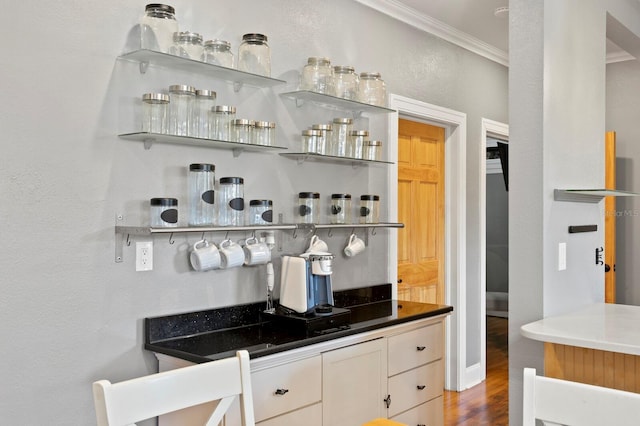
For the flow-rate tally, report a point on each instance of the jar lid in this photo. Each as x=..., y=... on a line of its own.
x=182, y=89
x=265, y=124
x=232, y=180
x=155, y=98
x=242, y=122
x=343, y=120
x=204, y=93
x=311, y=133
x=359, y=133
x=326, y=127
x=202, y=167
x=158, y=6
x=370, y=75
x=308, y=195
x=314, y=60
x=187, y=36
x=344, y=69
x=218, y=43
x=224, y=108
x=261, y=203
x=165, y=202
x=253, y=37
x=373, y=143
x=340, y=196
x=369, y=197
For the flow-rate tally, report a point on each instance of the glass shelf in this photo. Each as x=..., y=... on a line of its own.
x=301, y=96
x=151, y=138
x=301, y=157
x=238, y=78
x=589, y=195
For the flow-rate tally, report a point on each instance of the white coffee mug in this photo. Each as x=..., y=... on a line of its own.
x=204, y=256
x=231, y=254
x=316, y=245
x=256, y=252
x=354, y=246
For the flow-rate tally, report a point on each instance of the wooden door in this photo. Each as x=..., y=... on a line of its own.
x=421, y=209
x=610, y=220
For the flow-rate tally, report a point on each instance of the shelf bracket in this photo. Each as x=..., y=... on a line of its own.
x=237, y=152
x=119, y=240
x=237, y=86
x=144, y=66
x=299, y=102
x=148, y=142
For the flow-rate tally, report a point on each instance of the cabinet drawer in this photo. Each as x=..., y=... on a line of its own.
x=428, y=414
x=415, y=387
x=415, y=348
x=299, y=383
x=308, y=416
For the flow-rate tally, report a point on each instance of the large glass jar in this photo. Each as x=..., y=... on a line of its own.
x=157, y=26
x=260, y=212
x=341, y=129
x=340, y=210
x=372, y=150
x=163, y=212
x=154, y=112
x=242, y=130
x=218, y=52
x=181, y=104
x=323, y=142
x=308, y=207
x=223, y=116
x=202, y=194
x=188, y=45
x=203, y=115
x=369, y=208
x=355, y=144
x=317, y=76
x=231, y=206
x=310, y=140
x=345, y=82
x=264, y=133
x=371, y=89
x=254, y=55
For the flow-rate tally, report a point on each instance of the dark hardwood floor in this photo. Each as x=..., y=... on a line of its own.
x=486, y=403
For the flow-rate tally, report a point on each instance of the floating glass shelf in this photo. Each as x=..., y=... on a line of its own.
x=301, y=157
x=589, y=195
x=301, y=96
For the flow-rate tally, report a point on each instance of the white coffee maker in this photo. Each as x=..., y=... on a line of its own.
x=305, y=283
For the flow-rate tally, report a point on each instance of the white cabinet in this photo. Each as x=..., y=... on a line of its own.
x=354, y=383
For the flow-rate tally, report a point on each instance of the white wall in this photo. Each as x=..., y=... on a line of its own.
x=69, y=313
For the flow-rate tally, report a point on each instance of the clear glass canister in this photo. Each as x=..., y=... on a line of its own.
x=218, y=52
x=223, y=116
x=154, y=112
x=372, y=150
x=242, y=130
x=203, y=115
x=231, y=201
x=308, y=207
x=310, y=140
x=317, y=76
x=340, y=209
x=254, y=55
x=202, y=196
x=341, y=129
x=260, y=212
x=325, y=137
x=181, y=105
x=355, y=144
x=371, y=89
x=157, y=26
x=163, y=212
x=345, y=82
x=188, y=45
x=264, y=133
x=369, y=208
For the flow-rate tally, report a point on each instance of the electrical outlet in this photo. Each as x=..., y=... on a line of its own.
x=144, y=255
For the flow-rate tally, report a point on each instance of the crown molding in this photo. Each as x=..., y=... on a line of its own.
x=430, y=25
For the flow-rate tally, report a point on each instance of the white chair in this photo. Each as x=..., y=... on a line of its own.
x=131, y=401
x=576, y=404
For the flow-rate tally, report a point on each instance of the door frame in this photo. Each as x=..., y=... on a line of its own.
x=455, y=125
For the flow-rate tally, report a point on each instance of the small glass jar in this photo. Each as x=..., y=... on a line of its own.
x=341, y=129
x=181, y=105
x=310, y=140
x=369, y=208
x=202, y=196
x=340, y=209
x=317, y=76
x=188, y=45
x=355, y=144
x=345, y=82
x=202, y=116
x=163, y=212
x=308, y=207
x=325, y=137
x=242, y=130
x=254, y=55
x=371, y=89
x=260, y=212
x=218, y=52
x=231, y=205
x=223, y=116
x=157, y=26
x=154, y=112
x=264, y=133
x=372, y=150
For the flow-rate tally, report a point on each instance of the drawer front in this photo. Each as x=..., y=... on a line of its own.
x=415, y=387
x=308, y=416
x=414, y=348
x=286, y=387
x=428, y=414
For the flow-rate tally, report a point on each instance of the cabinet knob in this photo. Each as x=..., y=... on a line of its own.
x=421, y=387
x=281, y=391
x=421, y=424
x=420, y=348
x=400, y=281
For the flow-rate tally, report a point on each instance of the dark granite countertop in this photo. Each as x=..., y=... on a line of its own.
x=218, y=333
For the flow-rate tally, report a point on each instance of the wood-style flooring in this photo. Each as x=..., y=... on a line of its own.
x=488, y=402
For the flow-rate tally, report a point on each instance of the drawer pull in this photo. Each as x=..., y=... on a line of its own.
x=387, y=401
x=422, y=424
x=281, y=391
x=421, y=348
x=421, y=387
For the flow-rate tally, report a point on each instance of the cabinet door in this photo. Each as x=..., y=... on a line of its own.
x=354, y=383
x=428, y=414
x=414, y=348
